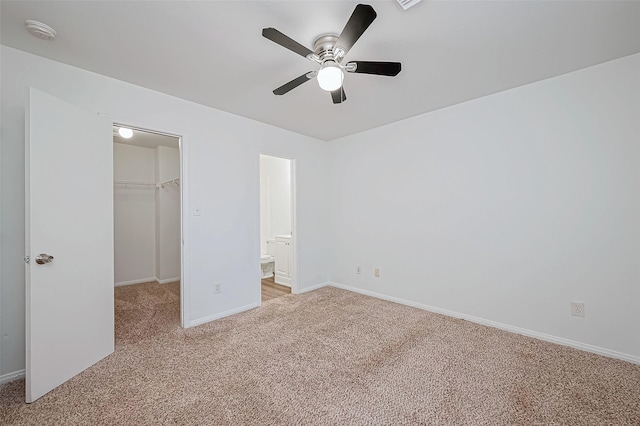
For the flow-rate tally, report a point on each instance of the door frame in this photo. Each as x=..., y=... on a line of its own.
x=185, y=313
x=294, y=223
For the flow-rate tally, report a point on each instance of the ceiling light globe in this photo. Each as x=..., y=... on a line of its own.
x=330, y=76
x=125, y=133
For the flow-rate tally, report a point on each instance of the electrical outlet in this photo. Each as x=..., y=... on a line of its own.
x=577, y=309
x=217, y=288
x=376, y=272
x=358, y=270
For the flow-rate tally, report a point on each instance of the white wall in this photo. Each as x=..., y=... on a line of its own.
x=134, y=214
x=504, y=208
x=275, y=198
x=222, y=153
x=167, y=215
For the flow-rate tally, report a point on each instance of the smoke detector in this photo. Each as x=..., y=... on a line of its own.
x=40, y=30
x=406, y=4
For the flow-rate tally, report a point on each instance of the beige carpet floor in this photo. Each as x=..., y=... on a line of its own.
x=328, y=357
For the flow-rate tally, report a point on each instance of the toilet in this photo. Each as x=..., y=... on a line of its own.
x=267, y=261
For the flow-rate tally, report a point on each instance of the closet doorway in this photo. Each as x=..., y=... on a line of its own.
x=147, y=232
x=277, y=222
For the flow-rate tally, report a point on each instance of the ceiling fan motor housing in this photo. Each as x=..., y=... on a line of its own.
x=323, y=47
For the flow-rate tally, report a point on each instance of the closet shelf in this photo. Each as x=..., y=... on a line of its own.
x=147, y=184
x=134, y=183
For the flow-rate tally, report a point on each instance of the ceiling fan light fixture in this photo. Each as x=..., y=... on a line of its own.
x=330, y=76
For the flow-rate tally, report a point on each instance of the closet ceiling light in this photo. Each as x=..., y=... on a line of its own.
x=125, y=133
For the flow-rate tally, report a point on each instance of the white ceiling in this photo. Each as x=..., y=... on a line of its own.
x=213, y=53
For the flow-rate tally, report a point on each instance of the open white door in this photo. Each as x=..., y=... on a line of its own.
x=69, y=216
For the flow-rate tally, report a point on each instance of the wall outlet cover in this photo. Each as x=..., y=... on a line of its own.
x=577, y=309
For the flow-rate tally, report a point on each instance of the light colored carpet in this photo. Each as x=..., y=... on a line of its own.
x=329, y=357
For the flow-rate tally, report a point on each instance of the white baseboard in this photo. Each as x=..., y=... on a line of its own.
x=210, y=318
x=147, y=280
x=132, y=282
x=513, y=329
x=10, y=377
x=167, y=281
x=314, y=287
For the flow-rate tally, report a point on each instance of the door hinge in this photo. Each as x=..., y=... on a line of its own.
x=27, y=259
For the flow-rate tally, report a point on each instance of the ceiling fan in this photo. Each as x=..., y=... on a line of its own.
x=329, y=51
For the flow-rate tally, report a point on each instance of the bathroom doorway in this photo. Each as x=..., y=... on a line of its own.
x=147, y=232
x=277, y=223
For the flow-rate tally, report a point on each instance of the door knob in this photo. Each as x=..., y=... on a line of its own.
x=43, y=258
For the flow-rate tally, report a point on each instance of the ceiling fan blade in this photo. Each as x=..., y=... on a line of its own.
x=293, y=84
x=285, y=41
x=362, y=16
x=338, y=96
x=372, y=67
